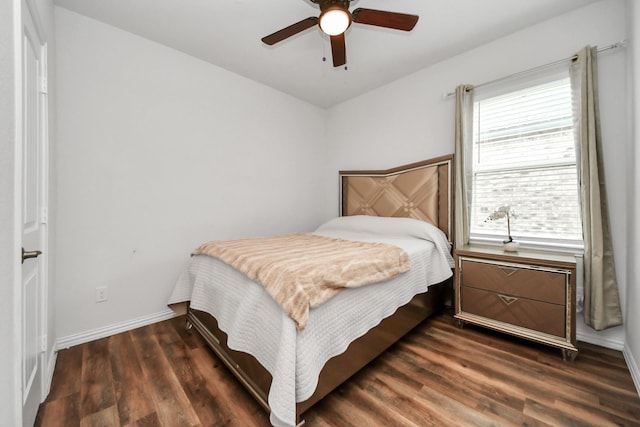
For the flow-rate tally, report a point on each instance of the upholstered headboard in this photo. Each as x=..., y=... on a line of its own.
x=420, y=190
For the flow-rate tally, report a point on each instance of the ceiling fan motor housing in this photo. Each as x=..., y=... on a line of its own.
x=326, y=4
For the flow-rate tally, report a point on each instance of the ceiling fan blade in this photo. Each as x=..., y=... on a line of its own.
x=289, y=31
x=338, y=50
x=382, y=18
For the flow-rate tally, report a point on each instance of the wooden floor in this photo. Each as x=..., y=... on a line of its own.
x=162, y=375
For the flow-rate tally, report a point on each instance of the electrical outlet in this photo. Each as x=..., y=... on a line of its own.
x=101, y=294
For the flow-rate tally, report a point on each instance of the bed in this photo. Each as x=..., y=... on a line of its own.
x=288, y=370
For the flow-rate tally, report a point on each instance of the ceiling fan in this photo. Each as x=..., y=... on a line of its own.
x=334, y=20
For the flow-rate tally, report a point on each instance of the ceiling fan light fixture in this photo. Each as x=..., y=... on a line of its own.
x=335, y=20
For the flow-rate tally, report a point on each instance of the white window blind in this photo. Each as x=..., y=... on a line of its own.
x=524, y=157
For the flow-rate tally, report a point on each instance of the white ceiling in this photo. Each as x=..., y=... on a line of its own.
x=227, y=33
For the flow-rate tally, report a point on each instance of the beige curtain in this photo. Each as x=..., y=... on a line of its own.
x=601, y=299
x=463, y=135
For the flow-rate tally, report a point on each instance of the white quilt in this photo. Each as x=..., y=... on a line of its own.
x=256, y=324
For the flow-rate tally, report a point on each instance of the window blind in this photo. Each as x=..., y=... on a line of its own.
x=524, y=157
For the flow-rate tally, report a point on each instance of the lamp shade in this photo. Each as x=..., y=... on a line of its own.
x=335, y=20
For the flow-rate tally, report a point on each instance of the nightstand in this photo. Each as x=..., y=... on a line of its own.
x=530, y=294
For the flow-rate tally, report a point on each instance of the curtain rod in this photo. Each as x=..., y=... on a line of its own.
x=542, y=67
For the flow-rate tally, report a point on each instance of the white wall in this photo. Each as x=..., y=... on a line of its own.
x=410, y=120
x=632, y=336
x=157, y=153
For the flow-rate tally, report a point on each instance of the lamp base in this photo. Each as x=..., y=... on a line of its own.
x=511, y=246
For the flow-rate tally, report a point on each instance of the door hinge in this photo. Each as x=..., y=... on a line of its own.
x=43, y=85
x=44, y=216
x=43, y=343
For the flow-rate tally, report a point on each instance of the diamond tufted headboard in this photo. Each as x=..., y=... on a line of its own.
x=420, y=190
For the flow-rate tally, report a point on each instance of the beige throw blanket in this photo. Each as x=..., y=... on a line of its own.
x=304, y=270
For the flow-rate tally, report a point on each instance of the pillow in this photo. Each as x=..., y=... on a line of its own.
x=378, y=225
x=394, y=226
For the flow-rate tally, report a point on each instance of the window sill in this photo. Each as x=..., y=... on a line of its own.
x=560, y=247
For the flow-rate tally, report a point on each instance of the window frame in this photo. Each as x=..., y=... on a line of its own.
x=502, y=87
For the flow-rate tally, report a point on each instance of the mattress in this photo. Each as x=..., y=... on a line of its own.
x=257, y=325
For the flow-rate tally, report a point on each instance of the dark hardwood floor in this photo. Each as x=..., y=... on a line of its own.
x=438, y=375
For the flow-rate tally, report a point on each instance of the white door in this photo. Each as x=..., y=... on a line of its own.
x=34, y=239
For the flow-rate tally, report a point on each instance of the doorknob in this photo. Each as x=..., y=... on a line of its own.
x=29, y=254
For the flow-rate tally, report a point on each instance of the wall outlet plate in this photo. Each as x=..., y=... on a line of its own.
x=101, y=294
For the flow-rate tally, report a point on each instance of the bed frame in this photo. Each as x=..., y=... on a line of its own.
x=420, y=190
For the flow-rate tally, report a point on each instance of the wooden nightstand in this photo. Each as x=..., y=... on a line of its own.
x=530, y=294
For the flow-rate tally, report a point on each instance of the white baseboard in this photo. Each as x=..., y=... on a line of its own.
x=106, y=331
x=613, y=344
x=633, y=367
x=612, y=338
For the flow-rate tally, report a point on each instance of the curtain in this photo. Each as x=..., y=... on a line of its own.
x=462, y=150
x=601, y=298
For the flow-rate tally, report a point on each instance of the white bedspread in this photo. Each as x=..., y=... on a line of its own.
x=256, y=324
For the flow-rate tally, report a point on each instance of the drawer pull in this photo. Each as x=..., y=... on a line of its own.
x=508, y=270
x=507, y=299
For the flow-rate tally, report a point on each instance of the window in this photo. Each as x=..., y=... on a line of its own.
x=524, y=157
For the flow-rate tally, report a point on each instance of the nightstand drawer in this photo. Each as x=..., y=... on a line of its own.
x=528, y=283
x=527, y=313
